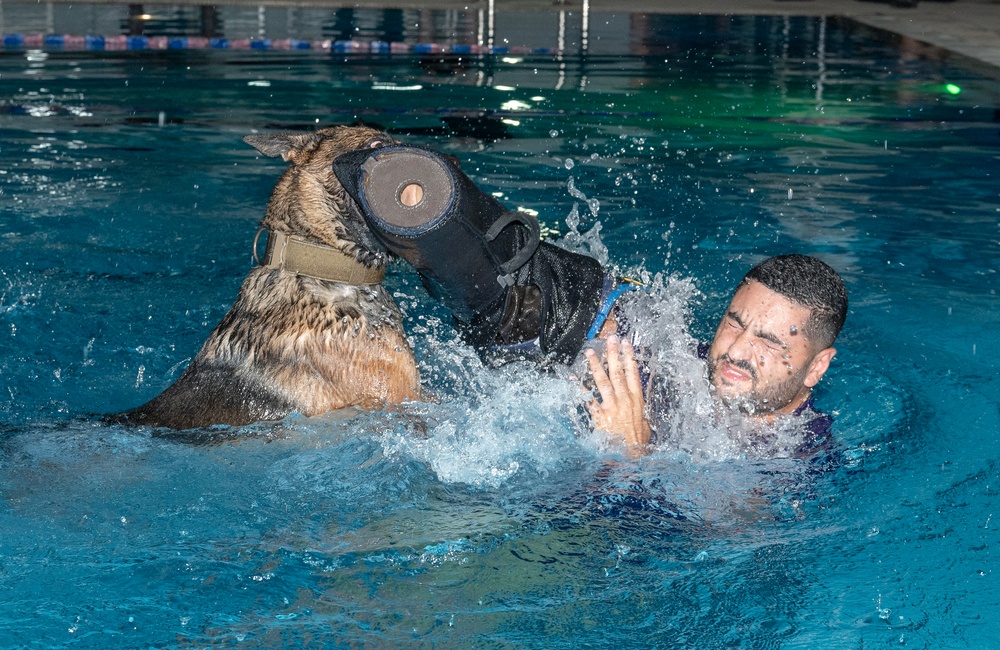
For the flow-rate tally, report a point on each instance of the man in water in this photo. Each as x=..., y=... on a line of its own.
x=772, y=346
x=515, y=297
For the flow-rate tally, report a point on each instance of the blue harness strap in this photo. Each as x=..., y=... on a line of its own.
x=610, y=297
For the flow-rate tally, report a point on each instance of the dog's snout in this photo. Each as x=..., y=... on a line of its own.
x=411, y=194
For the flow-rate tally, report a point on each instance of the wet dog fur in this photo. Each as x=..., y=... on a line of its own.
x=293, y=343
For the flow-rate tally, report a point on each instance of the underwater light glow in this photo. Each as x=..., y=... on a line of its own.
x=952, y=89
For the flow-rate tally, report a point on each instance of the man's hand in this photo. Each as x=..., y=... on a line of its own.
x=621, y=411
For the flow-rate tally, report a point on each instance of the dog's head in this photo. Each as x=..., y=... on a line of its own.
x=309, y=200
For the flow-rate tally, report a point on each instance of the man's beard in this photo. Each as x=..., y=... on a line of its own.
x=760, y=399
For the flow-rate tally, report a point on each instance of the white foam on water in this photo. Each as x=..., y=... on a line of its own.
x=511, y=420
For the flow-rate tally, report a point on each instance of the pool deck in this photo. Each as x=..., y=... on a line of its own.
x=968, y=27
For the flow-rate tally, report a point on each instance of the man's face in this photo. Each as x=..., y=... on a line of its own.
x=760, y=360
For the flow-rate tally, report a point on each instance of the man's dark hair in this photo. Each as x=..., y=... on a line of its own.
x=811, y=283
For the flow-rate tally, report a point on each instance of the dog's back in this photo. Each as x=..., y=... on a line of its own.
x=294, y=342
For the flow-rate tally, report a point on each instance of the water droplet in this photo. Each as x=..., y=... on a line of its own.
x=553, y=133
x=793, y=330
x=568, y=163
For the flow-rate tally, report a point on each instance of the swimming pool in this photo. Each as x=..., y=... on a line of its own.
x=128, y=208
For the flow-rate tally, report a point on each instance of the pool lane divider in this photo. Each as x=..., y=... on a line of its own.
x=69, y=42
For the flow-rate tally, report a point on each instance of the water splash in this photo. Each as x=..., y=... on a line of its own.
x=689, y=420
x=510, y=421
x=16, y=294
x=491, y=425
x=594, y=205
x=588, y=243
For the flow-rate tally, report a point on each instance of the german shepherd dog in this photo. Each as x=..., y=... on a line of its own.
x=312, y=330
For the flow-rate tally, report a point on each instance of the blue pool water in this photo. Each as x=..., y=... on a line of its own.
x=492, y=518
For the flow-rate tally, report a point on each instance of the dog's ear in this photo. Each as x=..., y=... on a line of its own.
x=371, y=125
x=286, y=145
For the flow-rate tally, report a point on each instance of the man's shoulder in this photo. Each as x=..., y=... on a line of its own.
x=818, y=443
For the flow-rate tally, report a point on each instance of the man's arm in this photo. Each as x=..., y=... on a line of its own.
x=621, y=411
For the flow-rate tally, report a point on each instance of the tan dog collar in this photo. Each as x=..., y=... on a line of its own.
x=296, y=255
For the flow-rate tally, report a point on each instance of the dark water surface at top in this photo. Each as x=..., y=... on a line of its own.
x=127, y=207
